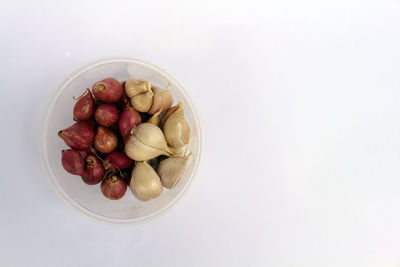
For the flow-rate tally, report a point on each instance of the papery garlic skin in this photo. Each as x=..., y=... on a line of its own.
x=177, y=152
x=138, y=151
x=176, y=129
x=147, y=141
x=140, y=93
x=151, y=135
x=167, y=114
x=145, y=183
x=134, y=87
x=162, y=100
x=143, y=102
x=171, y=171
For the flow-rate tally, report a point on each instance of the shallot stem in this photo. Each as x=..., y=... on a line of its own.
x=104, y=163
x=82, y=95
x=94, y=152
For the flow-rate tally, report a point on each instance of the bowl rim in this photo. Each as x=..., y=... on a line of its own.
x=43, y=144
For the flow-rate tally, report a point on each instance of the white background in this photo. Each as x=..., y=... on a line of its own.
x=300, y=104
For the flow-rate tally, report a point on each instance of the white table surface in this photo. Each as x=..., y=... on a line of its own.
x=300, y=103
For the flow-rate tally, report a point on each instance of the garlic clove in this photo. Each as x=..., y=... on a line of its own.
x=147, y=141
x=138, y=151
x=152, y=136
x=135, y=87
x=145, y=183
x=171, y=171
x=142, y=102
x=162, y=99
x=167, y=114
x=176, y=129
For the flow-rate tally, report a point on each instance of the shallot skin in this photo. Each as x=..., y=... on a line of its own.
x=84, y=107
x=128, y=119
x=113, y=187
x=94, y=170
x=106, y=115
x=72, y=161
x=108, y=90
x=78, y=136
x=117, y=160
x=105, y=140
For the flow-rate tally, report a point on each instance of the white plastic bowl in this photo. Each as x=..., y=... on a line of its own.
x=88, y=199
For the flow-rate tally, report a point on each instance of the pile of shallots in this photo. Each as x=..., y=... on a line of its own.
x=127, y=134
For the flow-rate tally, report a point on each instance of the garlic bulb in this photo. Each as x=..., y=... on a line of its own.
x=145, y=183
x=134, y=87
x=175, y=127
x=142, y=102
x=146, y=142
x=140, y=93
x=162, y=99
x=171, y=170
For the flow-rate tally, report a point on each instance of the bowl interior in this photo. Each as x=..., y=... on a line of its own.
x=88, y=199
